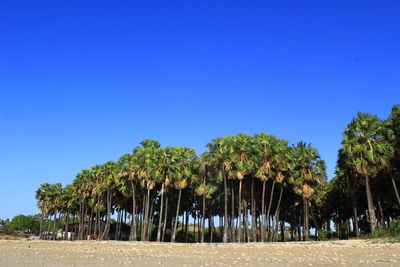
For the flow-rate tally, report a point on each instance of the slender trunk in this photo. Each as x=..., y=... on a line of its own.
x=89, y=231
x=232, y=232
x=225, y=235
x=239, y=235
x=106, y=231
x=194, y=228
x=67, y=226
x=380, y=213
x=97, y=230
x=165, y=219
x=54, y=227
x=142, y=217
x=305, y=218
x=355, y=215
x=145, y=215
x=186, y=226
x=395, y=189
x=247, y=224
x=211, y=228
x=371, y=211
x=150, y=225
x=203, y=219
x=263, y=213
x=253, y=213
x=198, y=231
x=315, y=220
x=119, y=224
x=80, y=221
x=132, y=235
x=277, y=212
x=269, y=204
x=177, y=216
x=160, y=216
x=41, y=226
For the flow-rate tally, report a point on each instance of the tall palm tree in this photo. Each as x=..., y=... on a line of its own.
x=164, y=169
x=129, y=170
x=368, y=152
x=204, y=185
x=243, y=165
x=393, y=123
x=183, y=173
x=309, y=172
x=220, y=156
x=263, y=149
x=145, y=159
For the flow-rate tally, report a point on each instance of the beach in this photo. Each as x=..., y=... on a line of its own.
x=112, y=253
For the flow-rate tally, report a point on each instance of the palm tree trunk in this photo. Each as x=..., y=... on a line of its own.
x=277, y=213
x=203, y=219
x=165, y=218
x=106, y=231
x=150, y=225
x=225, y=235
x=211, y=228
x=55, y=226
x=253, y=213
x=80, y=221
x=177, y=216
x=239, y=235
x=371, y=211
x=145, y=216
x=186, y=226
x=305, y=217
x=380, y=213
x=132, y=235
x=142, y=230
x=232, y=230
x=395, y=189
x=89, y=230
x=41, y=226
x=355, y=215
x=97, y=227
x=67, y=225
x=270, y=203
x=263, y=213
x=160, y=216
x=246, y=224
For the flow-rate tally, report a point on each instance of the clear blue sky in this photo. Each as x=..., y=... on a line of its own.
x=83, y=82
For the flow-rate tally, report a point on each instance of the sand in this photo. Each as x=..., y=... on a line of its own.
x=112, y=253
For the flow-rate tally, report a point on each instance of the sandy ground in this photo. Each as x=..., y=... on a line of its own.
x=111, y=253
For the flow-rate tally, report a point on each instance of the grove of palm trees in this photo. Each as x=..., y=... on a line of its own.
x=244, y=188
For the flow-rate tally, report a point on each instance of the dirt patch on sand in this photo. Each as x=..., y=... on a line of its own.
x=111, y=253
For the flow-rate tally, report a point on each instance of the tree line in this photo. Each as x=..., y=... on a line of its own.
x=242, y=189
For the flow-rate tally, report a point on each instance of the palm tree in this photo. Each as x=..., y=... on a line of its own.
x=145, y=161
x=165, y=167
x=66, y=203
x=128, y=171
x=368, y=152
x=204, y=186
x=182, y=174
x=263, y=148
x=243, y=165
x=43, y=203
x=309, y=173
x=220, y=157
x=393, y=123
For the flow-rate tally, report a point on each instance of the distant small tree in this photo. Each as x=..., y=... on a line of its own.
x=26, y=223
x=4, y=226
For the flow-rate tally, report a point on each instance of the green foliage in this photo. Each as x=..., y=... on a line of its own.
x=25, y=223
x=392, y=230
